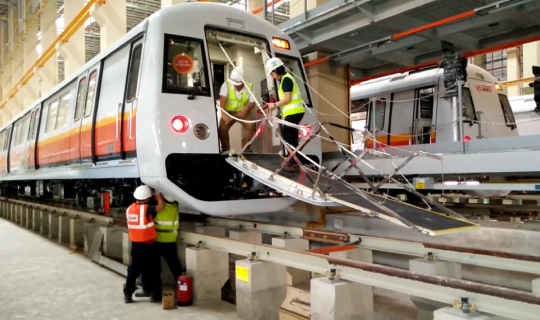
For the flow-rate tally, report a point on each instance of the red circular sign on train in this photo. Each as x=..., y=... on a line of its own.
x=182, y=63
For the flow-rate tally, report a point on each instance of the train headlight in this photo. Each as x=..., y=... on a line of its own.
x=180, y=124
x=201, y=131
x=498, y=87
x=281, y=43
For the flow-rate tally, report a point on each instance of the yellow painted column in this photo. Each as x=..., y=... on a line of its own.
x=254, y=4
x=73, y=51
x=297, y=7
x=49, y=72
x=112, y=21
x=531, y=57
x=30, y=89
x=512, y=70
x=480, y=61
x=17, y=63
x=3, y=42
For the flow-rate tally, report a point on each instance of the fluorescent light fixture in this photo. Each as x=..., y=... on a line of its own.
x=472, y=183
x=451, y=183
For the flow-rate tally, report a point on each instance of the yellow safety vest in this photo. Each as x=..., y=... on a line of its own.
x=166, y=223
x=232, y=103
x=295, y=106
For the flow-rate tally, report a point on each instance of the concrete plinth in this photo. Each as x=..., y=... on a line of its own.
x=112, y=242
x=28, y=217
x=126, y=249
x=536, y=287
x=36, y=220
x=22, y=216
x=53, y=226
x=76, y=232
x=337, y=300
x=450, y=313
x=426, y=307
x=209, y=269
x=90, y=229
x=244, y=236
x=260, y=289
x=64, y=231
x=294, y=276
x=214, y=231
x=44, y=227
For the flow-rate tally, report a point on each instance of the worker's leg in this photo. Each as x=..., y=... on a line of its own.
x=146, y=278
x=290, y=134
x=223, y=132
x=170, y=255
x=248, y=130
x=134, y=270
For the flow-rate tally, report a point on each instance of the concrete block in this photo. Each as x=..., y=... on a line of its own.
x=36, y=220
x=449, y=313
x=181, y=246
x=22, y=216
x=536, y=287
x=64, y=229
x=426, y=307
x=209, y=269
x=245, y=236
x=112, y=242
x=28, y=217
x=126, y=249
x=294, y=276
x=90, y=229
x=298, y=299
x=53, y=226
x=260, y=290
x=214, y=231
x=337, y=300
x=44, y=218
x=76, y=232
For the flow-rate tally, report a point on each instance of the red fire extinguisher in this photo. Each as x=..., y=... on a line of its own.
x=184, y=290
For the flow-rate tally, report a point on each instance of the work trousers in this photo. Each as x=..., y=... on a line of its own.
x=248, y=130
x=168, y=251
x=290, y=134
x=144, y=259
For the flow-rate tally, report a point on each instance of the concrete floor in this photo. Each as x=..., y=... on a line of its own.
x=40, y=279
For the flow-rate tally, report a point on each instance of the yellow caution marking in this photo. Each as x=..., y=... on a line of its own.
x=242, y=274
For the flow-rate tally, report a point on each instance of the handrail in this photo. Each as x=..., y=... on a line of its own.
x=70, y=29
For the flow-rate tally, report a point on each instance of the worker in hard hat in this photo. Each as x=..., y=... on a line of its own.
x=166, y=223
x=237, y=100
x=142, y=233
x=290, y=102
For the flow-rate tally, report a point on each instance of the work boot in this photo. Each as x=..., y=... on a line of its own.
x=142, y=294
x=128, y=298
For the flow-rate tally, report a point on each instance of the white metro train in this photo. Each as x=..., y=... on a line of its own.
x=526, y=118
x=144, y=110
x=410, y=108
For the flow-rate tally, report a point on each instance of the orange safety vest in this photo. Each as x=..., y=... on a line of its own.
x=141, y=227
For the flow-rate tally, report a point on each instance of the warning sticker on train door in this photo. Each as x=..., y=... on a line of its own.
x=242, y=274
x=182, y=63
x=420, y=184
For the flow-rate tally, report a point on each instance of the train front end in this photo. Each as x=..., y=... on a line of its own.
x=191, y=49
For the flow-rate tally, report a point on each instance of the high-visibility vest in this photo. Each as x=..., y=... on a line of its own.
x=295, y=106
x=233, y=104
x=140, y=226
x=167, y=223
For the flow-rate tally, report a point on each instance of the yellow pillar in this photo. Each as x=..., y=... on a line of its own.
x=512, y=70
x=72, y=51
x=49, y=72
x=531, y=57
x=3, y=42
x=17, y=64
x=30, y=89
x=112, y=21
x=254, y=4
x=480, y=61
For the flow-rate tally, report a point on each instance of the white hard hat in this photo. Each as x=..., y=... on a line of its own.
x=142, y=193
x=272, y=64
x=168, y=198
x=236, y=76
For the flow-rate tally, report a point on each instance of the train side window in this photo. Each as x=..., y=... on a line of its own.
x=51, y=116
x=469, y=111
x=134, y=72
x=80, y=99
x=31, y=128
x=92, y=84
x=36, y=124
x=62, y=110
x=509, y=118
x=24, y=129
x=425, y=108
x=2, y=138
x=184, y=61
x=6, y=141
x=17, y=133
x=380, y=110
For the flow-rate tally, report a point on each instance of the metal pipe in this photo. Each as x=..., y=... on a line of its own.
x=460, y=115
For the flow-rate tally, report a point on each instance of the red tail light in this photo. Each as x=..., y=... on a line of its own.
x=306, y=131
x=180, y=124
x=259, y=130
x=466, y=139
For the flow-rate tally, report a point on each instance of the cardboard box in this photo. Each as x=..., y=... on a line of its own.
x=168, y=300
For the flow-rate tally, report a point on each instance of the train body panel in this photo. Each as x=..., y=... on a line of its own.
x=411, y=108
x=112, y=119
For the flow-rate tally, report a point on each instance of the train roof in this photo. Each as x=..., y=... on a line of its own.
x=411, y=80
x=522, y=103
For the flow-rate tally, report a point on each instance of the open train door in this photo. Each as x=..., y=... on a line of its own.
x=130, y=110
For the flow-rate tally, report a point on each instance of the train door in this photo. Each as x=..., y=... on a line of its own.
x=424, y=114
x=28, y=156
x=130, y=110
x=74, y=137
x=6, y=147
x=31, y=141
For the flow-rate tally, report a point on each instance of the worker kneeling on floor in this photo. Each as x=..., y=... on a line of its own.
x=166, y=223
x=142, y=233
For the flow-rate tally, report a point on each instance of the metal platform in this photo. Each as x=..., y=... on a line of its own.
x=299, y=186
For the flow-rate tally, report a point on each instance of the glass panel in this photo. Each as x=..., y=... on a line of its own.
x=294, y=67
x=36, y=123
x=469, y=112
x=51, y=116
x=17, y=133
x=62, y=110
x=6, y=141
x=32, y=124
x=183, y=62
x=92, y=84
x=426, y=103
x=380, y=109
x=134, y=72
x=507, y=110
x=80, y=99
x=24, y=129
